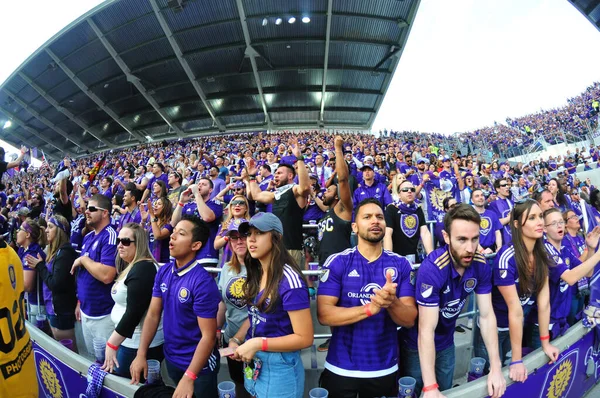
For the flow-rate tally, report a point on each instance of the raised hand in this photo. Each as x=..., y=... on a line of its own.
x=385, y=296
x=295, y=147
x=150, y=208
x=592, y=238
x=251, y=166
x=339, y=142
x=185, y=195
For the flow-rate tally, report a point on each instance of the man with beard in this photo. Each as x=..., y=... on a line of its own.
x=444, y=281
x=490, y=238
x=96, y=273
x=289, y=199
x=217, y=182
x=365, y=293
x=405, y=225
x=130, y=205
x=502, y=206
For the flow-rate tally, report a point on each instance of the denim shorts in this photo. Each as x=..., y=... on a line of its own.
x=281, y=376
x=62, y=322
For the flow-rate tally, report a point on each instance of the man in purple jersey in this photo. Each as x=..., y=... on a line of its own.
x=130, y=204
x=502, y=207
x=490, y=228
x=158, y=171
x=364, y=294
x=444, y=281
x=96, y=273
x=106, y=187
x=187, y=297
x=209, y=210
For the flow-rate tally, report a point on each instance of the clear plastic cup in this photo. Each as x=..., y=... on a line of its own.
x=153, y=371
x=318, y=393
x=99, y=344
x=477, y=365
x=406, y=386
x=226, y=389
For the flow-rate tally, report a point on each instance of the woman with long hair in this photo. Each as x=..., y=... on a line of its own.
x=233, y=310
x=31, y=239
x=157, y=221
x=159, y=189
x=59, y=290
x=562, y=201
x=132, y=293
x=279, y=323
x=238, y=209
x=520, y=279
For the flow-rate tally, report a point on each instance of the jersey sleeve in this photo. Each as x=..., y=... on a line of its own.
x=206, y=297
x=504, y=272
x=405, y=287
x=294, y=298
x=108, y=251
x=427, y=289
x=331, y=280
x=484, y=277
x=156, y=292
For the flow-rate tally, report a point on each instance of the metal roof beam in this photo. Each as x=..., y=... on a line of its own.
x=133, y=79
x=326, y=59
x=50, y=152
x=62, y=109
x=33, y=131
x=252, y=54
x=393, y=51
x=86, y=90
x=184, y=64
x=47, y=122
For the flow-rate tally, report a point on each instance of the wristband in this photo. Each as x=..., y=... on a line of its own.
x=515, y=363
x=190, y=374
x=112, y=346
x=180, y=204
x=431, y=387
x=368, y=310
x=226, y=238
x=546, y=337
x=265, y=344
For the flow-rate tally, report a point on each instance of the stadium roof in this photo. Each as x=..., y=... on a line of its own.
x=132, y=69
x=589, y=8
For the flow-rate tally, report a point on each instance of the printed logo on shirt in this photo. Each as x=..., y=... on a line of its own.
x=235, y=292
x=485, y=225
x=163, y=287
x=365, y=293
x=354, y=273
x=470, y=284
x=563, y=286
x=324, y=276
x=447, y=290
x=409, y=224
x=426, y=290
x=453, y=308
x=557, y=260
x=12, y=277
x=393, y=271
x=503, y=273
x=568, y=262
x=183, y=295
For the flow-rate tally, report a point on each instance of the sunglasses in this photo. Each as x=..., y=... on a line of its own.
x=413, y=190
x=124, y=241
x=235, y=238
x=238, y=203
x=503, y=185
x=93, y=209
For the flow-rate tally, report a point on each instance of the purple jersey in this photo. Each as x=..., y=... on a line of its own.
x=368, y=348
x=502, y=208
x=187, y=293
x=505, y=273
x=560, y=291
x=312, y=212
x=133, y=216
x=439, y=285
x=95, y=295
x=377, y=191
x=159, y=248
x=207, y=254
x=490, y=223
x=34, y=249
x=77, y=225
x=163, y=177
x=293, y=296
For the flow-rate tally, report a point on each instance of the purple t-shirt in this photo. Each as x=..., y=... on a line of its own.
x=505, y=273
x=163, y=177
x=34, y=249
x=159, y=248
x=77, y=226
x=560, y=291
x=134, y=216
x=108, y=193
x=187, y=293
x=490, y=223
x=439, y=285
x=207, y=254
x=502, y=208
x=293, y=296
x=93, y=294
x=368, y=348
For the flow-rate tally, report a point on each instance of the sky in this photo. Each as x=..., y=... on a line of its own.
x=467, y=63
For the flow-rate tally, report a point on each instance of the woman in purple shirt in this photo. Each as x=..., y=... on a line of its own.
x=31, y=238
x=279, y=323
x=157, y=221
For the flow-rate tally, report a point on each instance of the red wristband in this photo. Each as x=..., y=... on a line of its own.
x=180, y=204
x=368, y=310
x=190, y=374
x=546, y=337
x=265, y=344
x=431, y=387
x=112, y=346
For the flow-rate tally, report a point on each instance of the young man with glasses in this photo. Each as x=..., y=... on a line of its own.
x=96, y=272
x=406, y=225
x=502, y=206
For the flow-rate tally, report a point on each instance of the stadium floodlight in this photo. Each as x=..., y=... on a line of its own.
x=7, y=125
x=265, y=22
x=305, y=19
x=292, y=20
x=278, y=21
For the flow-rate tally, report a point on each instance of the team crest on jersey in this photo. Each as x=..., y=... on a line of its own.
x=409, y=224
x=12, y=276
x=485, y=225
x=235, y=292
x=426, y=290
x=394, y=272
x=163, y=287
x=503, y=273
x=568, y=262
x=470, y=284
x=556, y=259
x=183, y=295
x=324, y=276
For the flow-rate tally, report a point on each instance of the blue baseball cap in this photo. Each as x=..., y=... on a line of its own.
x=234, y=225
x=264, y=222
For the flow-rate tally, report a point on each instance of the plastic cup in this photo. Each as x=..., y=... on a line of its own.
x=475, y=369
x=40, y=321
x=153, y=371
x=68, y=343
x=406, y=386
x=226, y=389
x=99, y=344
x=318, y=393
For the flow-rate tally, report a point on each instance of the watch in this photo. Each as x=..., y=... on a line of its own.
x=155, y=219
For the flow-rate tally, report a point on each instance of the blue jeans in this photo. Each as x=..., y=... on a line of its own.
x=204, y=386
x=480, y=350
x=577, y=304
x=126, y=355
x=281, y=376
x=444, y=367
x=558, y=329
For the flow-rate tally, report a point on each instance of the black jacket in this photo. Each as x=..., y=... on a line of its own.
x=60, y=281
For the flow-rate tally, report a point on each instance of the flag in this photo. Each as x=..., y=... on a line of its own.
x=44, y=161
x=97, y=167
x=34, y=152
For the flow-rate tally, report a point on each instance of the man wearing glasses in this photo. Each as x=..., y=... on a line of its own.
x=502, y=206
x=96, y=272
x=405, y=225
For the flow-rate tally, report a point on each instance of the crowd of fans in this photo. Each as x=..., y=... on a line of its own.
x=121, y=242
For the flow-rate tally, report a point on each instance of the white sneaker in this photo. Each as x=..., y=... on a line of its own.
x=64, y=174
